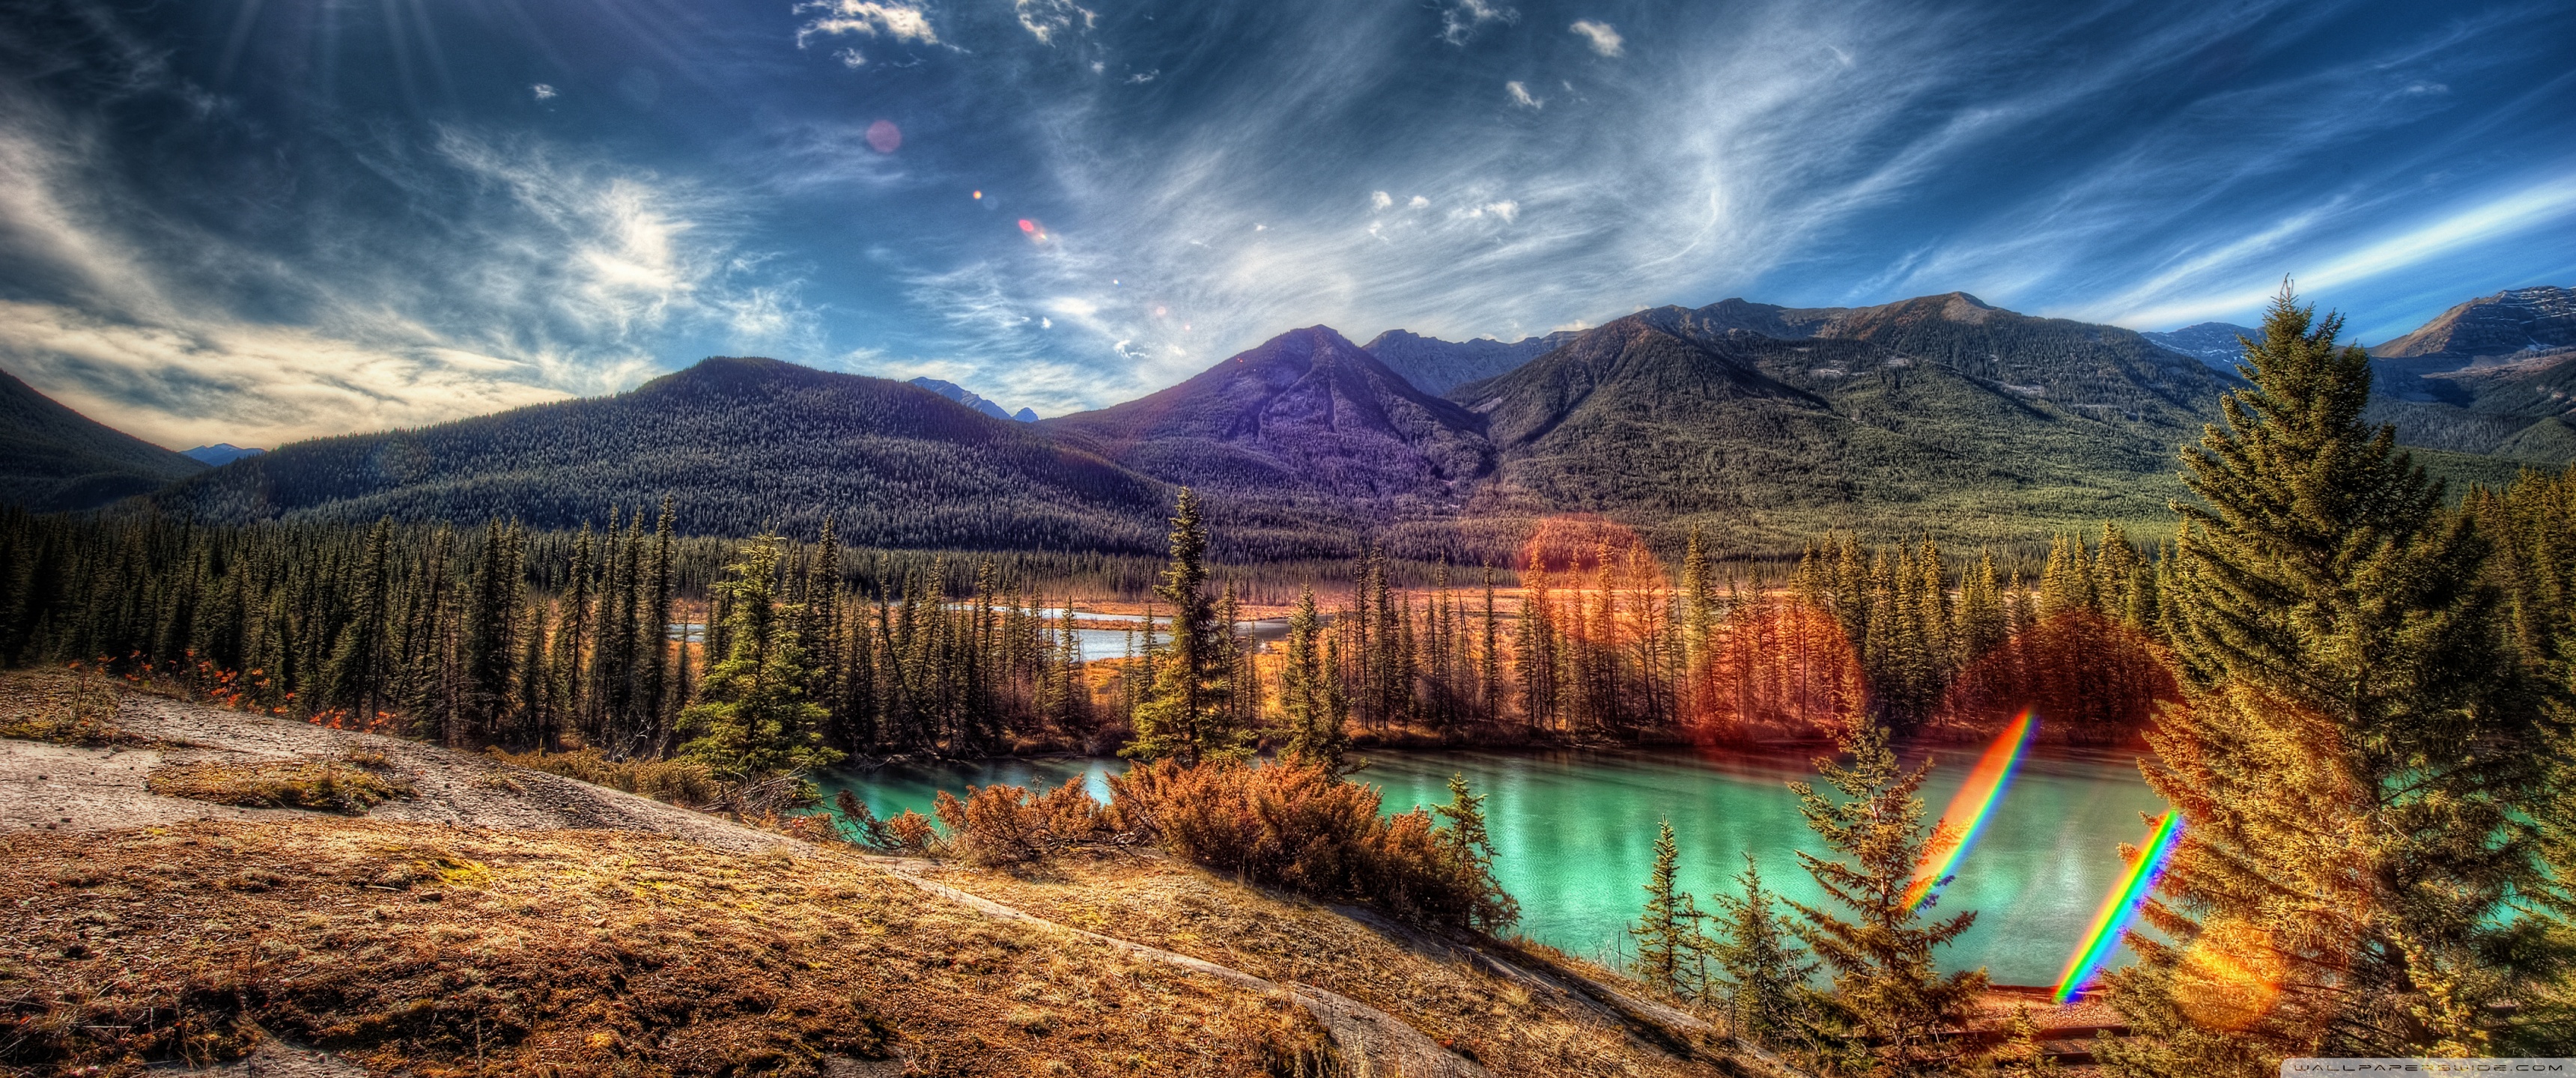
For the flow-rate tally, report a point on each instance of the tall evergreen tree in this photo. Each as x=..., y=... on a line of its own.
x=1315, y=732
x=1672, y=947
x=752, y=718
x=1184, y=715
x=1890, y=1007
x=1766, y=971
x=2355, y=751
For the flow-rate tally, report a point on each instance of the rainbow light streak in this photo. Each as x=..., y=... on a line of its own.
x=1974, y=804
x=2110, y=924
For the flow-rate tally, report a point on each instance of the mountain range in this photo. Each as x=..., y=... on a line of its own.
x=961, y=395
x=1759, y=423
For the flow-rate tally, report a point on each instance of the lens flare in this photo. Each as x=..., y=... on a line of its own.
x=1974, y=805
x=2113, y=920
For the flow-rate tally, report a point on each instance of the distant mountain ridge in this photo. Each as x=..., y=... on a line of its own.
x=2513, y=322
x=2221, y=345
x=1436, y=366
x=219, y=454
x=961, y=395
x=54, y=458
x=744, y=444
x=2494, y=376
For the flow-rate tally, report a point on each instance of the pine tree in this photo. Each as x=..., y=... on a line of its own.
x=1766, y=970
x=1887, y=992
x=1307, y=682
x=1184, y=715
x=1672, y=948
x=2356, y=748
x=356, y=676
x=1490, y=908
x=752, y=719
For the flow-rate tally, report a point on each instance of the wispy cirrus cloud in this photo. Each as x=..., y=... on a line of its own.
x=546, y=275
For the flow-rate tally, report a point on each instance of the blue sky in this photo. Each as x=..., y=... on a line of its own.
x=256, y=220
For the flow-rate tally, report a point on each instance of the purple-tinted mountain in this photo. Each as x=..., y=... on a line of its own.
x=2213, y=343
x=52, y=457
x=1307, y=413
x=962, y=395
x=1436, y=366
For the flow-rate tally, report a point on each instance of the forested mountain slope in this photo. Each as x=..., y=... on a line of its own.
x=1763, y=422
x=742, y=444
x=52, y=457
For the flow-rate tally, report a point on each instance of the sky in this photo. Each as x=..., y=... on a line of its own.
x=260, y=220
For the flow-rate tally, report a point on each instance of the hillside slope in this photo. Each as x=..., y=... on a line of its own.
x=508, y=920
x=54, y=458
x=742, y=444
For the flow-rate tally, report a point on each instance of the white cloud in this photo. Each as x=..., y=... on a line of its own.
x=1520, y=96
x=868, y=18
x=852, y=57
x=1460, y=18
x=1418, y=202
x=1602, y=38
x=1045, y=19
x=542, y=91
x=1379, y=200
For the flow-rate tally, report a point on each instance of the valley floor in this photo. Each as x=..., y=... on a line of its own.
x=490, y=918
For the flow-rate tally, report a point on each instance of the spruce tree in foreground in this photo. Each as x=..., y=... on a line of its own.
x=1490, y=909
x=1184, y=715
x=2354, y=753
x=1766, y=970
x=1672, y=951
x=1890, y=1008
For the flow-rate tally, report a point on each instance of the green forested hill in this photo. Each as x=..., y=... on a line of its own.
x=52, y=457
x=1763, y=423
x=742, y=444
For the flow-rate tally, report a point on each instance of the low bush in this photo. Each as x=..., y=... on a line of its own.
x=1005, y=825
x=305, y=784
x=1301, y=829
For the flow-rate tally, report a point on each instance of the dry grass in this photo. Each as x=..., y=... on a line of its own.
x=443, y=951
x=328, y=786
x=686, y=783
x=73, y=709
x=1511, y=1028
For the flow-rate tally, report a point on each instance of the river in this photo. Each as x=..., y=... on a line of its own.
x=1574, y=835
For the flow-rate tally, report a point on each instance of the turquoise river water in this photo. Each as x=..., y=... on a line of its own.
x=1574, y=835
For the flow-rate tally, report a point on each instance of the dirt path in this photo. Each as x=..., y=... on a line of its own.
x=78, y=789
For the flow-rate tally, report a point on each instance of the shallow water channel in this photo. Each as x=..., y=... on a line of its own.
x=1574, y=835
